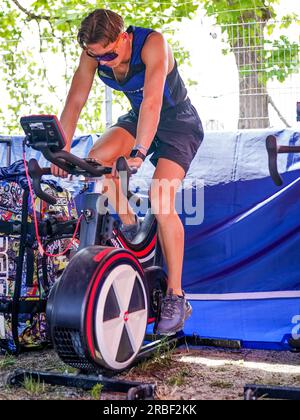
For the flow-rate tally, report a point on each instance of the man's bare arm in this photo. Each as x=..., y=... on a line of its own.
x=155, y=57
x=78, y=94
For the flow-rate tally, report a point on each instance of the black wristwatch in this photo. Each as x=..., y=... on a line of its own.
x=137, y=154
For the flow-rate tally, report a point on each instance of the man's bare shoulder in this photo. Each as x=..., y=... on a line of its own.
x=156, y=46
x=155, y=43
x=155, y=39
x=87, y=63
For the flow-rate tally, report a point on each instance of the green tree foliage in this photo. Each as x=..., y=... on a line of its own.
x=251, y=29
x=38, y=42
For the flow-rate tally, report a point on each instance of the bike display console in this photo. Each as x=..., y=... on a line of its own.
x=43, y=131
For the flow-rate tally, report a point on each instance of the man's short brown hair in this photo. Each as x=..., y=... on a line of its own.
x=100, y=26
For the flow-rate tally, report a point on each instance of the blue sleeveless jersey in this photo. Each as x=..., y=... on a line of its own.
x=133, y=86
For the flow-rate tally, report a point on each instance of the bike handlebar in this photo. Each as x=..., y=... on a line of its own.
x=45, y=134
x=87, y=167
x=273, y=150
x=36, y=173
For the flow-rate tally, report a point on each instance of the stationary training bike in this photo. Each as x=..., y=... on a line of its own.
x=99, y=310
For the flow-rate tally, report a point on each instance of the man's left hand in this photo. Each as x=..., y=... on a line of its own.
x=135, y=162
x=132, y=163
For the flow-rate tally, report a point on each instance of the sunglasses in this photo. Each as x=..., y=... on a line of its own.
x=110, y=56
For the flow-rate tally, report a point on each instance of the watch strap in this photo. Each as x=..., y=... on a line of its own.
x=137, y=154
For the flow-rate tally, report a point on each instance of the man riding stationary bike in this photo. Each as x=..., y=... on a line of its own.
x=162, y=121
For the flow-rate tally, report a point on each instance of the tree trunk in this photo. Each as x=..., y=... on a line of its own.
x=248, y=48
x=254, y=103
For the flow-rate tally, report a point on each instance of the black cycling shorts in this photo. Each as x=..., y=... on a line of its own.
x=179, y=134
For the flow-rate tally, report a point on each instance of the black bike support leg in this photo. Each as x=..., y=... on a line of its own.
x=134, y=390
x=256, y=392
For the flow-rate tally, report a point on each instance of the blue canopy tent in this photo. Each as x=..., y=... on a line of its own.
x=242, y=265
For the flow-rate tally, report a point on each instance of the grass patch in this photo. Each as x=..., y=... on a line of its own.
x=161, y=358
x=221, y=385
x=96, y=391
x=7, y=362
x=179, y=379
x=65, y=369
x=34, y=387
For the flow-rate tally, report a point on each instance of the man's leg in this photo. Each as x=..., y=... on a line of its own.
x=114, y=143
x=166, y=181
x=175, y=308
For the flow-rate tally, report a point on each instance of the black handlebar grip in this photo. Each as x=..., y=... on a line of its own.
x=36, y=173
x=123, y=169
x=272, y=148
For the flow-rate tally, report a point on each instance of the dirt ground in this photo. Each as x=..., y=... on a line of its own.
x=185, y=374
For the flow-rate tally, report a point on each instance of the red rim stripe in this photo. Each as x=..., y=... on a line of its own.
x=93, y=295
x=145, y=251
x=98, y=257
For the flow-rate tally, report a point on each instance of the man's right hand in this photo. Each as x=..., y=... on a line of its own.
x=56, y=171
